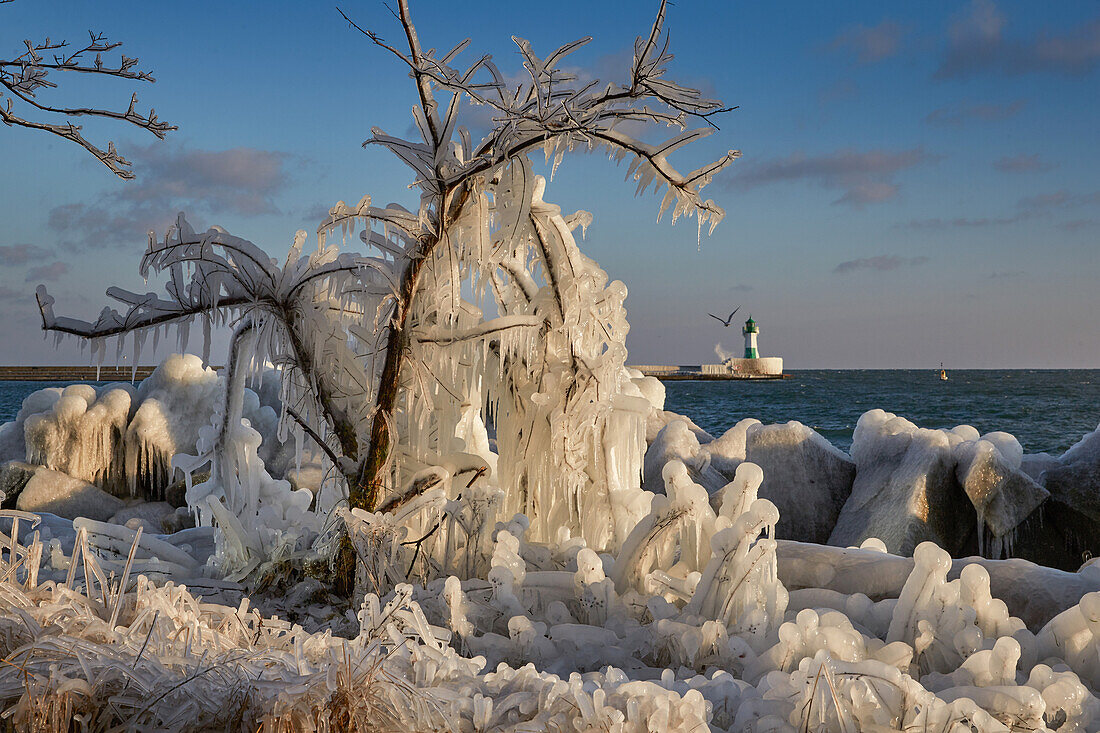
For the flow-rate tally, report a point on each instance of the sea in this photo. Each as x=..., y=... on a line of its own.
x=1047, y=410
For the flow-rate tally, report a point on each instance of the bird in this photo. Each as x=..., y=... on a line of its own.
x=729, y=320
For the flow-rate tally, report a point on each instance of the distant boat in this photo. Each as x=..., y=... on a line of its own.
x=943, y=373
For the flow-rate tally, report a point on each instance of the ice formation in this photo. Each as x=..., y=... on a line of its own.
x=530, y=565
x=468, y=622
x=122, y=438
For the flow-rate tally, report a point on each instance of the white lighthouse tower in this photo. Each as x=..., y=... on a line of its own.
x=750, y=330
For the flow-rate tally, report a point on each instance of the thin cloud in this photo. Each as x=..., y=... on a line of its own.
x=1007, y=275
x=869, y=44
x=865, y=177
x=837, y=91
x=1021, y=164
x=21, y=254
x=742, y=288
x=240, y=181
x=976, y=43
x=1077, y=225
x=962, y=222
x=881, y=263
x=318, y=212
x=52, y=271
x=961, y=114
x=1044, y=202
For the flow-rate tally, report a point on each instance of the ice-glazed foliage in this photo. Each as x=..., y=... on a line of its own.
x=477, y=314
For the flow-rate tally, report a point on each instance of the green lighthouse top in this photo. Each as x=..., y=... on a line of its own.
x=750, y=325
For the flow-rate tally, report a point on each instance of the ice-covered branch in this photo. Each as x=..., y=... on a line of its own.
x=443, y=337
x=558, y=112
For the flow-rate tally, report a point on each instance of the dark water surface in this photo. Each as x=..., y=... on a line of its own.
x=1047, y=410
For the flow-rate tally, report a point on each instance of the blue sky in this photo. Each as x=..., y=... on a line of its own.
x=918, y=183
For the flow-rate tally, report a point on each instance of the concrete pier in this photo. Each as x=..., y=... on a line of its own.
x=761, y=368
x=73, y=373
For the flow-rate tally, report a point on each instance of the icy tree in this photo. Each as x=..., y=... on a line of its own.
x=24, y=76
x=477, y=311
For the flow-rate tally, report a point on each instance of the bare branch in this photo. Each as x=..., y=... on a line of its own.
x=24, y=75
x=443, y=336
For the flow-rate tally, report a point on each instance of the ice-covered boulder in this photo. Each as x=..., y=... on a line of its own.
x=651, y=388
x=905, y=491
x=122, y=438
x=1033, y=464
x=174, y=402
x=1002, y=494
x=727, y=451
x=678, y=441
x=1075, y=480
x=13, y=446
x=805, y=476
x=1074, y=486
x=66, y=496
x=14, y=475
x=659, y=419
x=150, y=515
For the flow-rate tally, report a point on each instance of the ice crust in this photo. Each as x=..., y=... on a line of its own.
x=691, y=614
x=689, y=624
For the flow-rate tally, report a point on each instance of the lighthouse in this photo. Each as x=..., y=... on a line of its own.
x=750, y=330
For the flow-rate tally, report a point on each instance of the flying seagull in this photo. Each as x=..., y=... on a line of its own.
x=729, y=320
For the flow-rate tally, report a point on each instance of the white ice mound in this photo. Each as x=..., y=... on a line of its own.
x=728, y=450
x=1003, y=495
x=659, y=419
x=122, y=438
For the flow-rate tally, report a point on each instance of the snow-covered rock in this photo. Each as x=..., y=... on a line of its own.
x=805, y=476
x=659, y=419
x=728, y=450
x=905, y=491
x=66, y=496
x=679, y=441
